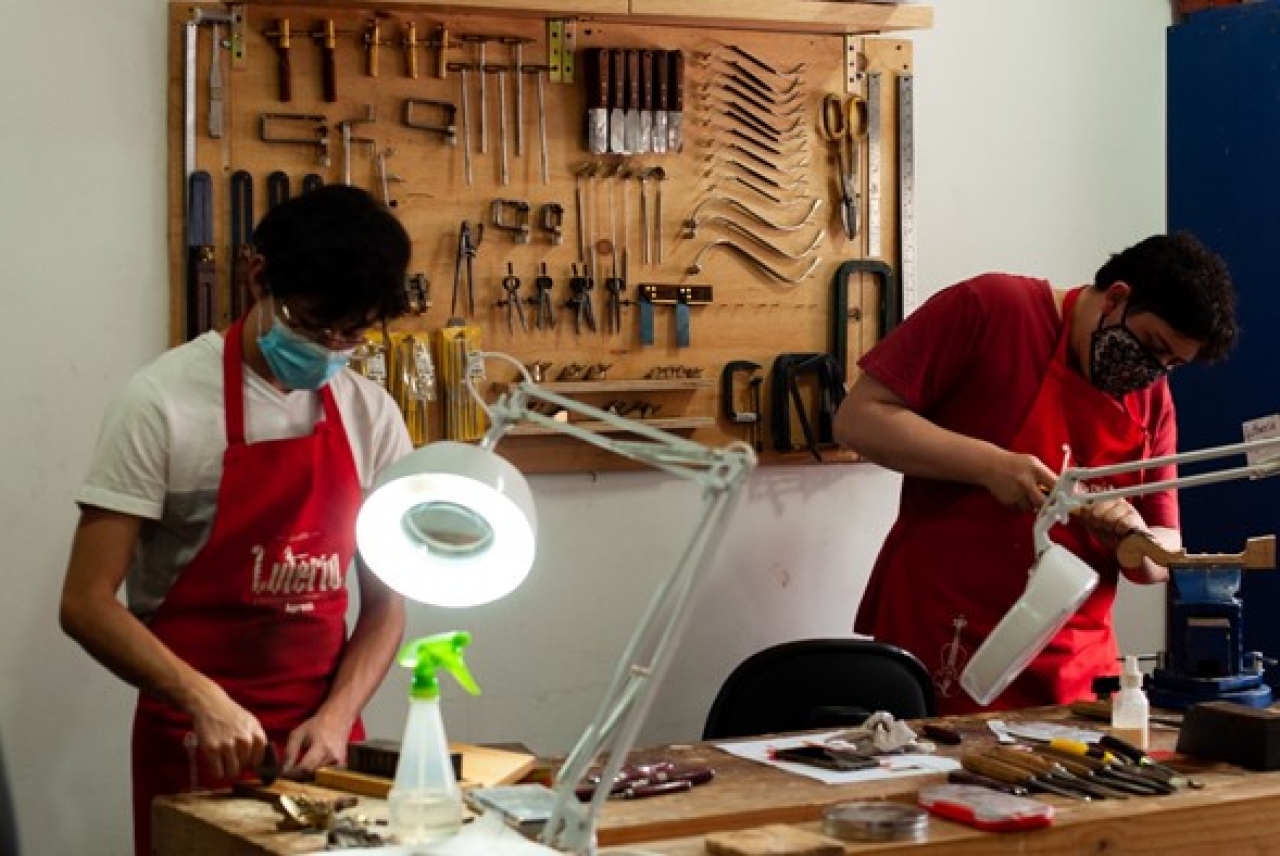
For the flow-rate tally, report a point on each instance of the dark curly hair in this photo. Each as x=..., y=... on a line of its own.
x=1183, y=282
x=339, y=248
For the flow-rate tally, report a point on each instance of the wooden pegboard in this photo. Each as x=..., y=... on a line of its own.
x=751, y=317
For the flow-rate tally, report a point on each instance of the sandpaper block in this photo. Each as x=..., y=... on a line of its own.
x=774, y=840
x=378, y=757
x=1248, y=737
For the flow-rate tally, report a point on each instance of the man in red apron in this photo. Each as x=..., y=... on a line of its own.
x=224, y=493
x=980, y=398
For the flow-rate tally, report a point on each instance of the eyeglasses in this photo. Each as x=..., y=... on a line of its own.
x=334, y=340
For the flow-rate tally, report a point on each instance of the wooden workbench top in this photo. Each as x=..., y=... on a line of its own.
x=1237, y=811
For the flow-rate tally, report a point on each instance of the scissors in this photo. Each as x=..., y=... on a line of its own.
x=842, y=124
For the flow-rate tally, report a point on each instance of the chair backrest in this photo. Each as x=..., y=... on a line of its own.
x=8, y=821
x=819, y=683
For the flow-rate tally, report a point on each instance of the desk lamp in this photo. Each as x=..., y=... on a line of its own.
x=453, y=524
x=1060, y=580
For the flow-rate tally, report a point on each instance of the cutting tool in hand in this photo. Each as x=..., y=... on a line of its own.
x=842, y=123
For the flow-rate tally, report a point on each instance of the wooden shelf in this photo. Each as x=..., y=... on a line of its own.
x=674, y=423
x=816, y=17
x=579, y=387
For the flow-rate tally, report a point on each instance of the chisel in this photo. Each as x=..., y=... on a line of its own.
x=617, y=95
x=597, y=74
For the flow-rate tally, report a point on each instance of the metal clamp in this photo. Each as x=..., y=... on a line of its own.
x=444, y=112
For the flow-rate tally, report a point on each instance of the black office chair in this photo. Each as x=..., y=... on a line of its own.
x=8, y=820
x=819, y=683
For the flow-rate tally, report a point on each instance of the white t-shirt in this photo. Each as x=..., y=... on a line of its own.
x=160, y=452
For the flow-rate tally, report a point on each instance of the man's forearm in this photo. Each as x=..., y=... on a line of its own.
x=902, y=440
x=124, y=645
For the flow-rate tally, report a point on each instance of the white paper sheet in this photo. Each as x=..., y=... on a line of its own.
x=891, y=766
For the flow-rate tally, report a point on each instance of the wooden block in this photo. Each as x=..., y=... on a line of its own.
x=482, y=766
x=775, y=840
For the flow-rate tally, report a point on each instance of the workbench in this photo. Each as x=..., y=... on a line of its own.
x=1237, y=811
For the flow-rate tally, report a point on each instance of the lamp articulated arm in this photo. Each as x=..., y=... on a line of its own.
x=720, y=472
x=1066, y=495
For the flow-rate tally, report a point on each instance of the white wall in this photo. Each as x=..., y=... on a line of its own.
x=1040, y=149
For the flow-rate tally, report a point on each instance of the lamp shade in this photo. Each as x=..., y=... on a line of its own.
x=1060, y=582
x=449, y=524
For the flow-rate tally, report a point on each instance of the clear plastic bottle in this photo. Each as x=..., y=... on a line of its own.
x=425, y=802
x=1130, y=710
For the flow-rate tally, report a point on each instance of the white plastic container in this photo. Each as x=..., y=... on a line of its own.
x=1130, y=711
x=425, y=803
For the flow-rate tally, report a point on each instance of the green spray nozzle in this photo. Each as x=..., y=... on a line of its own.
x=429, y=653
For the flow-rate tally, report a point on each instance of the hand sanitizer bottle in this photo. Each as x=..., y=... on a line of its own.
x=1129, y=709
x=425, y=803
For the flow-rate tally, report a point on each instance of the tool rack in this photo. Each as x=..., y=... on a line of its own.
x=747, y=315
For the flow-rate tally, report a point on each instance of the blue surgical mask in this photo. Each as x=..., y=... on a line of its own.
x=296, y=361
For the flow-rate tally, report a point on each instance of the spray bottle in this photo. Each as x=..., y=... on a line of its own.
x=425, y=803
x=1129, y=709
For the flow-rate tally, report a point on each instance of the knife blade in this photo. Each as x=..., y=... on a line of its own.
x=645, y=141
x=631, y=135
x=663, y=68
x=597, y=76
x=617, y=118
x=675, y=107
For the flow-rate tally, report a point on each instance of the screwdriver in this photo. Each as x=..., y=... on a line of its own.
x=1146, y=762
x=984, y=765
x=1093, y=770
x=966, y=777
x=1102, y=761
x=1045, y=768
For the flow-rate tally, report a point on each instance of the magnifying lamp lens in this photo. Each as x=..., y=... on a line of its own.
x=447, y=528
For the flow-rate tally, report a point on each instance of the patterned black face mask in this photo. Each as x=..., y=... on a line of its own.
x=1118, y=361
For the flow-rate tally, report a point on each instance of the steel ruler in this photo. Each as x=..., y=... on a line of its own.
x=873, y=165
x=906, y=193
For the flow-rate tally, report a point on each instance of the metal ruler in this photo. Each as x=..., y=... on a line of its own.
x=906, y=193
x=873, y=165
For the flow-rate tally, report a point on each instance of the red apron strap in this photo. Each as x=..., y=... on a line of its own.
x=233, y=383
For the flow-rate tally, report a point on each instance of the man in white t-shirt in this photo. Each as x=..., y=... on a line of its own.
x=223, y=495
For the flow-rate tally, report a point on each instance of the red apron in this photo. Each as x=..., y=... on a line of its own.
x=261, y=608
x=948, y=574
